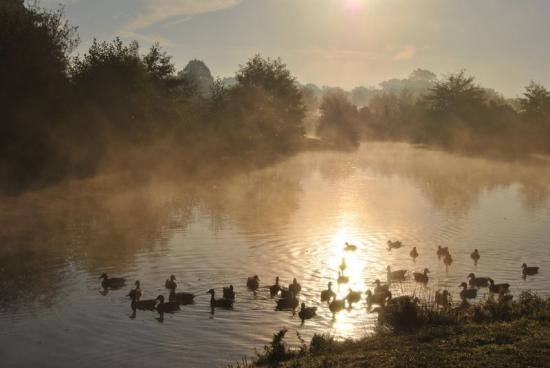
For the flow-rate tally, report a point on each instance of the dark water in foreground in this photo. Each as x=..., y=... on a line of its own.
x=289, y=220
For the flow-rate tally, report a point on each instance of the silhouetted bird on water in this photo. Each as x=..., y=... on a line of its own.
x=475, y=255
x=414, y=253
x=442, y=298
x=467, y=293
x=380, y=289
x=478, y=281
x=306, y=313
x=148, y=304
x=353, y=297
x=442, y=251
x=274, y=289
x=343, y=265
x=219, y=303
x=528, y=271
x=171, y=283
x=295, y=287
x=181, y=297
x=253, y=283
x=377, y=298
x=342, y=279
x=350, y=247
x=168, y=307
x=135, y=293
x=498, y=288
x=398, y=275
x=422, y=277
x=394, y=245
x=336, y=306
x=448, y=259
x=289, y=303
x=327, y=294
x=112, y=282
x=228, y=292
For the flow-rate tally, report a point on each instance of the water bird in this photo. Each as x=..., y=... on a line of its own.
x=171, y=283
x=228, y=292
x=350, y=247
x=181, y=297
x=295, y=287
x=343, y=265
x=475, y=255
x=285, y=292
x=448, y=259
x=148, y=304
x=327, y=294
x=442, y=298
x=381, y=289
x=253, y=283
x=221, y=302
x=112, y=282
x=377, y=298
x=527, y=271
x=414, y=253
x=274, y=289
x=135, y=293
x=168, y=307
x=442, y=251
x=353, y=297
x=289, y=303
x=478, y=281
x=336, y=305
x=467, y=293
x=394, y=245
x=422, y=277
x=398, y=275
x=306, y=312
x=498, y=288
x=342, y=279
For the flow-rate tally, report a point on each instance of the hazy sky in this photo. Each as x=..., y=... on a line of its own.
x=504, y=43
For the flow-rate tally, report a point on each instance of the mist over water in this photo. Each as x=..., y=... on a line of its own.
x=288, y=220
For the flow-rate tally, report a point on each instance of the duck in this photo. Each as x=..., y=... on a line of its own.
x=381, y=289
x=342, y=279
x=343, y=265
x=168, y=307
x=306, y=312
x=295, y=287
x=148, y=304
x=377, y=298
x=467, y=293
x=442, y=251
x=402, y=300
x=350, y=247
x=181, y=298
x=112, y=282
x=135, y=293
x=527, y=271
x=327, y=294
x=353, y=297
x=285, y=293
x=478, y=281
x=253, y=283
x=414, y=253
x=422, y=277
x=221, y=303
x=274, y=289
x=228, y=292
x=442, y=298
x=289, y=303
x=498, y=288
x=475, y=255
x=171, y=283
x=398, y=275
x=448, y=259
x=336, y=305
x=394, y=245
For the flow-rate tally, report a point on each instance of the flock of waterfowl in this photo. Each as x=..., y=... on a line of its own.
x=287, y=297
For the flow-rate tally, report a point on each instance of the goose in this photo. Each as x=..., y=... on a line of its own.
x=498, y=288
x=221, y=303
x=285, y=293
x=414, y=253
x=398, y=275
x=442, y=298
x=529, y=270
x=350, y=247
x=475, y=255
x=478, y=281
x=295, y=287
x=394, y=245
x=342, y=279
x=421, y=277
x=274, y=289
x=169, y=307
x=149, y=304
x=441, y=251
x=228, y=292
x=381, y=289
x=171, y=283
x=306, y=313
x=135, y=293
x=112, y=282
x=336, y=305
x=343, y=265
x=327, y=294
x=467, y=293
x=290, y=303
x=448, y=259
x=181, y=298
x=253, y=283
x=379, y=298
x=353, y=297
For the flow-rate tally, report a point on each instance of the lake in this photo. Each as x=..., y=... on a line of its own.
x=288, y=220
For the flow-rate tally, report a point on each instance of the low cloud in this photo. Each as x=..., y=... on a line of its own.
x=406, y=53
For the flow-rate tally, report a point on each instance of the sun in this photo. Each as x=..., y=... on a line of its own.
x=354, y=6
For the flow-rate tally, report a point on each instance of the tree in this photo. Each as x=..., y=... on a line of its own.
x=457, y=94
x=536, y=101
x=197, y=75
x=339, y=121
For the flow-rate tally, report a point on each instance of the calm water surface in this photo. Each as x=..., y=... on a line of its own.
x=288, y=220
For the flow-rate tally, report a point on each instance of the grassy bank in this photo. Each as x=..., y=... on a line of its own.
x=486, y=335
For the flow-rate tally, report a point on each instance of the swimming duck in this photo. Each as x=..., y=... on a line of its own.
x=467, y=293
x=295, y=287
x=112, y=282
x=168, y=307
x=478, y=281
x=529, y=270
x=398, y=275
x=381, y=289
x=274, y=289
x=350, y=247
x=285, y=293
x=394, y=245
x=306, y=313
x=289, y=303
x=442, y=251
x=442, y=298
x=135, y=293
x=342, y=279
x=498, y=288
x=402, y=300
x=149, y=304
x=228, y=292
x=343, y=265
x=327, y=294
x=414, y=253
x=475, y=255
x=422, y=277
x=171, y=283
x=221, y=303
x=181, y=298
x=353, y=297
x=336, y=305
x=448, y=259
x=253, y=283
x=377, y=298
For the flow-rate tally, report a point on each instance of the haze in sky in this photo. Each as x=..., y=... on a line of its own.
x=348, y=43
